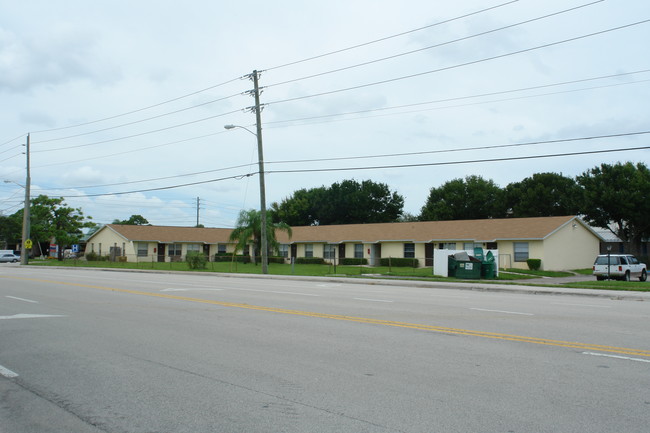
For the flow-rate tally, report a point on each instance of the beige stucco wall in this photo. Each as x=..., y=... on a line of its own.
x=104, y=240
x=571, y=247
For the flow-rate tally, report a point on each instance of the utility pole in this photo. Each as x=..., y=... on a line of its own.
x=197, y=211
x=258, y=119
x=26, y=217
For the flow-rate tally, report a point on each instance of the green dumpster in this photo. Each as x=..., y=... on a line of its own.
x=461, y=265
x=488, y=267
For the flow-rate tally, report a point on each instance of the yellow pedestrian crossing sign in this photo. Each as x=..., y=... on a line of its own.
x=28, y=244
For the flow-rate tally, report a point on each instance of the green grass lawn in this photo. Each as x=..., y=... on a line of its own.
x=348, y=271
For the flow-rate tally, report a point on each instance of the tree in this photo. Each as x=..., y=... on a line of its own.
x=616, y=197
x=301, y=209
x=248, y=230
x=347, y=202
x=134, y=220
x=10, y=229
x=51, y=218
x=543, y=194
x=458, y=199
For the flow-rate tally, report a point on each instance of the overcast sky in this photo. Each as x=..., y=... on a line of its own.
x=123, y=96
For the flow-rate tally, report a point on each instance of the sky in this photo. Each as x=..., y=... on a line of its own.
x=125, y=102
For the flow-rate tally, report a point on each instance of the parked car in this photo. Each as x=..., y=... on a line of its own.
x=6, y=258
x=619, y=267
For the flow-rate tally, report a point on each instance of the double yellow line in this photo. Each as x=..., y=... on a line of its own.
x=421, y=327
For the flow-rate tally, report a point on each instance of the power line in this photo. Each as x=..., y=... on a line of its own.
x=465, y=149
x=389, y=37
x=137, y=135
x=140, y=109
x=475, y=161
x=396, y=107
x=399, y=166
x=433, y=46
x=136, y=121
x=473, y=62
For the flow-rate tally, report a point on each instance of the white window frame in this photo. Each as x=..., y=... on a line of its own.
x=358, y=251
x=521, y=251
x=329, y=251
x=309, y=250
x=409, y=250
x=143, y=249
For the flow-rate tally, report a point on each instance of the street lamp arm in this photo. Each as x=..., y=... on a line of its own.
x=237, y=126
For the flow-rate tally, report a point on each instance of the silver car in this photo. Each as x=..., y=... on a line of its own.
x=6, y=258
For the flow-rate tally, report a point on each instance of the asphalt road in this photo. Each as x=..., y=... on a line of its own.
x=93, y=351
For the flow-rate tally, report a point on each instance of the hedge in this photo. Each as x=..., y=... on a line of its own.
x=353, y=261
x=310, y=261
x=399, y=262
x=534, y=264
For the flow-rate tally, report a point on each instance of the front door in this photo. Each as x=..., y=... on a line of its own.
x=428, y=254
x=161, y=252
x=341, y=251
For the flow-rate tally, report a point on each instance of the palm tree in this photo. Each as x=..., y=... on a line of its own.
x=249, y=230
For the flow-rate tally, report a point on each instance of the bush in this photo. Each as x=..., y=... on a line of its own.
x=353, y=261
x=196, y=260
x=310, y=261
x=279, y=260
x=229, y=258
x=94, y=257
x=399, y=262
x=534, y=264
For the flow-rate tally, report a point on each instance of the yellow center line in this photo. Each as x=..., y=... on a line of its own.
x=422, y=327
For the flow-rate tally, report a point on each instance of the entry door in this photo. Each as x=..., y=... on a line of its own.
x=341, y=251
x=294, y=250
x=161, y=252
x=428, y=254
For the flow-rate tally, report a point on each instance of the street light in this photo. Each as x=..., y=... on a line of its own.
x=260, y=154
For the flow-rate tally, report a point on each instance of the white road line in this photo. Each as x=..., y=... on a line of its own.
x=6, y=372
x=500, y=311
x=29, y=316
x=627, y=358
x=275, y=291
x=583, y=305
x=371, y=300
x=187, y=290
x=22, y=299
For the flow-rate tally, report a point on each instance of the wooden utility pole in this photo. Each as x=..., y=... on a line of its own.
x=263, y=228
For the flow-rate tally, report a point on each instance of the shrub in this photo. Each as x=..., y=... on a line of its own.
x=353, y=261
x=94, y=257
x=399, y=262
x=228, y=258
x=310, y=261
x=279, y=260
x=534, y=264
x=196, y=260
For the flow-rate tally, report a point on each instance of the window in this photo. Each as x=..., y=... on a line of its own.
x=284, y=250
x=448, y=246
x=193, y=248
x=221, y=248
x=143, y=249
x=329, y=251
x=358, y=251
x=174, y=249
x=492, y=246
x=100, y=249
x=409, y=251
x=469, y=246
x=309, y=250
x=521, y=251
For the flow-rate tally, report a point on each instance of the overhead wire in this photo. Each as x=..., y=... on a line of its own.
x=136, y=121
x=140, y=109
x=437, y=101
x=395, y=56
x=390, y=37
x=137, y=135
x=447, y=68
x=531, y=143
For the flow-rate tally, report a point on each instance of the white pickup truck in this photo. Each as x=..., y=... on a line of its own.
x=619, y=267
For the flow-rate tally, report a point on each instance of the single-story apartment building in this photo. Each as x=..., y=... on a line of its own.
x=561, y=243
